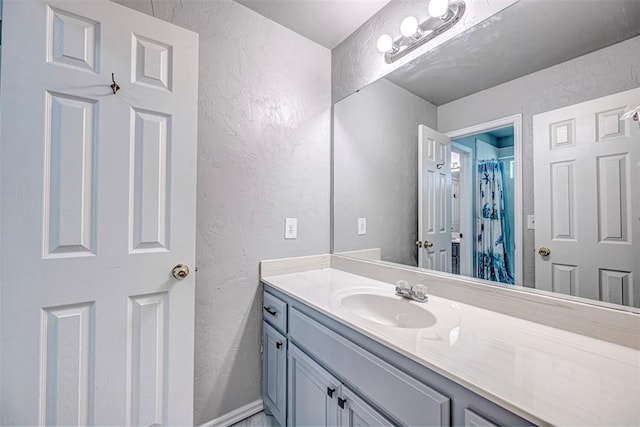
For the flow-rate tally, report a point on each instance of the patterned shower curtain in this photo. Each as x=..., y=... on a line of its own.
x=492, y=225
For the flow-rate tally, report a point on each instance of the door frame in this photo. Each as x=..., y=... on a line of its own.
x=466, y=200
x=516, y=122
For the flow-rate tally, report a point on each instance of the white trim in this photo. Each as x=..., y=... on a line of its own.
x=516, y=122
x=420, y=189
x=233, y=417
x=466, y=207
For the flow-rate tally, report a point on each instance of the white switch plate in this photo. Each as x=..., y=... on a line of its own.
x=362, y=226
x=290, y=228
x=531, y=222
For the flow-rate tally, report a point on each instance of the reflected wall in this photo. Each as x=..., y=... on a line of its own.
x=376, y=169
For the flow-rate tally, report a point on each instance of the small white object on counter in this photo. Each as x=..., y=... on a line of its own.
x=546, y=375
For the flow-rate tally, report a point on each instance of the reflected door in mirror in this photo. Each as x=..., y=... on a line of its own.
x=434, y=204
x=586, y=197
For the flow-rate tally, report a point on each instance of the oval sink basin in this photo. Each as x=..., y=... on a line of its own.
x=389, y=311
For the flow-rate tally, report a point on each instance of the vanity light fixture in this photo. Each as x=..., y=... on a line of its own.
x=409, y=27
x=444, y=15
x=386, y=45
x=438, y=8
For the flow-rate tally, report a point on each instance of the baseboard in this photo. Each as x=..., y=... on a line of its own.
x=235, y=416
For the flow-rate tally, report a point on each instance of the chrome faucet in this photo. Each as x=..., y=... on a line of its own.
x=417, y=292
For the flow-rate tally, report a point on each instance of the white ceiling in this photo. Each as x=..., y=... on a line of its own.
x=326, y=22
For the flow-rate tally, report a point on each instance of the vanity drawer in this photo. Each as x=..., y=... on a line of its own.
x=274, y=311
x=406, y=399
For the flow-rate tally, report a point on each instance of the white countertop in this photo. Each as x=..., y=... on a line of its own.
x=546, y=375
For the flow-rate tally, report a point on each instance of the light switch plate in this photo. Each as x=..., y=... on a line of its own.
x=531, y=222
x=362, y=226
x=290, y=228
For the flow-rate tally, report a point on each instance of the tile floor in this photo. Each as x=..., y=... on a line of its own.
x=258, y=420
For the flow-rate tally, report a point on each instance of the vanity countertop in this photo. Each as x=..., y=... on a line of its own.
x=546, y=375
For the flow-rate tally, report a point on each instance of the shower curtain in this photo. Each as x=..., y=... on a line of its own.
x=493, y=258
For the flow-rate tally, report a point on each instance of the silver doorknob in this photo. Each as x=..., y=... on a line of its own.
x=180, y=271
x=427, y=244
x=419, y=244
x=544, y=251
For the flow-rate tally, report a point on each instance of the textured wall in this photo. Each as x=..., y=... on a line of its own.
x=356, y=62
x=604, y=72
x=263, y=155
x=376, y=169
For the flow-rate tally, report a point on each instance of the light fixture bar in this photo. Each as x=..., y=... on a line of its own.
x=407, y=44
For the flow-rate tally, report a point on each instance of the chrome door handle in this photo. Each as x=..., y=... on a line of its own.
x=419, y=244
x=427, y=244
x=180, y=271
x=544, y=251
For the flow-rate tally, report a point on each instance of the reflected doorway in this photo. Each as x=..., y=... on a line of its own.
x=492, y=207
x=485, y=204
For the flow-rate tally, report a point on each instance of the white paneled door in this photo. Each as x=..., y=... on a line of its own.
x=434, y=200
x=587, y=177
x=98, y=206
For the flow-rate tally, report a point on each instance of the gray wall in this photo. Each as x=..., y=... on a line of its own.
x=604, y=72
x=263, y=155
x=376, y=169
x=356, y=61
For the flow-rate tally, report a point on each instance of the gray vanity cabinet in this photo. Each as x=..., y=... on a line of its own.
x=313, y=392
x=355, y=412
x=320, y=372
x=274, y=360
x=471, y=419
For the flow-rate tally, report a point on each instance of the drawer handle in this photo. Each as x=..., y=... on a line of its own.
x=278, y=344
x=271, y=311
x=341, y=402
x=330, y=392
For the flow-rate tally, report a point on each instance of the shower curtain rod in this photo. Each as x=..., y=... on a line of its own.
x=499, y=158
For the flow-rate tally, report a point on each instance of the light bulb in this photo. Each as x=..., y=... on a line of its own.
x=409, y=26
x=438, y=8
x=385, y=43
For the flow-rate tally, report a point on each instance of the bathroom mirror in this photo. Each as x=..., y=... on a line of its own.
x=505, y=155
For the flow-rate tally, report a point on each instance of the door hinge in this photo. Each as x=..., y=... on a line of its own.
x=330, y=392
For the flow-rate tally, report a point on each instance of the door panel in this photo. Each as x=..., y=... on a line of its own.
x=98, y=205
x=70, y=193
x=274, y=372
x=434, y=200
x=310, y=402
x=67, y=344
x=586, y=177
x=149, y=176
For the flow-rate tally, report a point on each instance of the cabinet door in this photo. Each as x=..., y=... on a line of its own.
x=274, y=373
x=355, y=412
x=313, y=392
